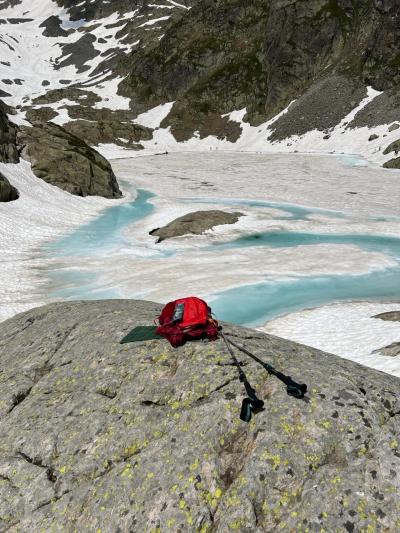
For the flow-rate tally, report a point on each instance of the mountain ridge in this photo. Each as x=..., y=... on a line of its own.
x=263, y=76
x=112, y=63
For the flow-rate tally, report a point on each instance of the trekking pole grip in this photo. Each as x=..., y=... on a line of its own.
x=297, y=390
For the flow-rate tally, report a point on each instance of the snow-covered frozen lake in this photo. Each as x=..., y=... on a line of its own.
x=316, y=230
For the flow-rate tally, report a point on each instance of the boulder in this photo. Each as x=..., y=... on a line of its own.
x=99, y=436
x=393, y=147
x=8, y=131
x=393, y=316
x=195, y=224
x=66, y=161
x=392, y=163
x=393, y=350
x=8, y=193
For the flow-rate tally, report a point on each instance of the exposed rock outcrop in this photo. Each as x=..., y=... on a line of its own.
x=95, y=435
x=393, y=350
x=392, y=163
x=89, y=123
x=94, y=9
x=195, y=224
x=66, y=161
x=52, y=27
x=8, y=147
x=393, y=316
x=393, y=147
x=261, y=55
x=106, y=126
x=8, y=193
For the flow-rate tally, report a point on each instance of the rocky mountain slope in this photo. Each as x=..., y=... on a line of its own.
x=96, y=435
x=262, y=55
x=225, y=69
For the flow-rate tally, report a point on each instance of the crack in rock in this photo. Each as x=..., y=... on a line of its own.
x=19, y=398
x=206, y=396
x=51, y=476
x=40, y=372
x=53, y=500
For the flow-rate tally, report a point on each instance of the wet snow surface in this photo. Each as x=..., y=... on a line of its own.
x=300, y=206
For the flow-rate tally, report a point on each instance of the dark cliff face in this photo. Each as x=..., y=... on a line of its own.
x=8, y=193
x=89, y=10
x=8, y=147
x=261, y=55
x=92, y=10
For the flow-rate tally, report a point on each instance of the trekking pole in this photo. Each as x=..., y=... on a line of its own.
x=252, y=404
x=297, y=390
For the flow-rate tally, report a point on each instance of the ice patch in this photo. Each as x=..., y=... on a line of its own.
x=153, y=21
x=154, y=117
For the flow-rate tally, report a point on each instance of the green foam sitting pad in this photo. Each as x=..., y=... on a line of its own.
x=141, y=333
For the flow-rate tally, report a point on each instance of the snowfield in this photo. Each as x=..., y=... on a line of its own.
x=183, y=183
x=341, y=174
x=346, y=329
x=42, y=213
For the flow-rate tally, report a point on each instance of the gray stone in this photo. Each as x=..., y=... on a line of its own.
x=393, y=350
x=99, y=436
x=393, y=127
x=393, y=316
x=66, y=161
x=373, y=137
x=195, y=224
x=8, y=193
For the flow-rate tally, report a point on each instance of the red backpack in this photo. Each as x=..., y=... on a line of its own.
x=187, y=319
